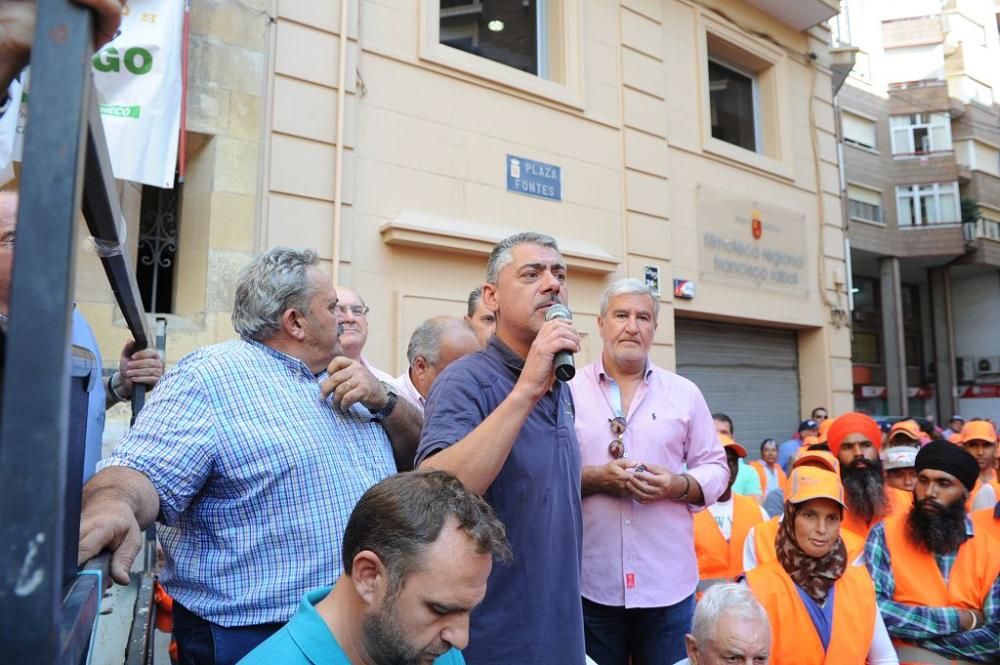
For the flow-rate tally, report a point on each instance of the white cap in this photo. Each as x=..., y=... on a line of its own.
x=899, y=457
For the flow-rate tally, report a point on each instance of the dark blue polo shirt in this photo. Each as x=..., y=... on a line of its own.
x=532, y=610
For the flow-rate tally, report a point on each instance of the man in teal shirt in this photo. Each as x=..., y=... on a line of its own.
x=417, y=551
x=747, y=481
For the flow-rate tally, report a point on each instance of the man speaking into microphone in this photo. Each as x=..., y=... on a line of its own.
x=502, y=422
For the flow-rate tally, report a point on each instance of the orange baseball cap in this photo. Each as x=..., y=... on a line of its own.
x=728, y=442
x=978, y=430
x=908, y=428
x=824, y=427
x=810, y=482
x=823, y=459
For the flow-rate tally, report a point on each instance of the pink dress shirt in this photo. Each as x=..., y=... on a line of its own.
x=405, y=388
x=379, y=374
x=637, y=555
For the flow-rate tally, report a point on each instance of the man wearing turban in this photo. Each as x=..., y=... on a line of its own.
x=935, y=574
x=855, y=439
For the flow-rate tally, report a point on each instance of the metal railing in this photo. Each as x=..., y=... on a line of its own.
x=47, y=607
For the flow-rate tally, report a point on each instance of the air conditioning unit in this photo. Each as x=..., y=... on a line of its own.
x=965, y=369
x=987, y=365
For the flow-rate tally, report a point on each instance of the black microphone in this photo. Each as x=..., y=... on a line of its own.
x=563, y=362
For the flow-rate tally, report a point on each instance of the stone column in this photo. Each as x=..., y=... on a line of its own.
x=893, y=346
x=943, y=331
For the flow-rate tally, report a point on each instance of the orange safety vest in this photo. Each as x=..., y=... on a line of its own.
x=765, y=535
x=984, y=522
x=918, y=580
x=718, y=560
x=794, y=639
x=900, y=502
x=758, y=466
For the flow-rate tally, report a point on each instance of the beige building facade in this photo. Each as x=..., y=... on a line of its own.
x=690, y=144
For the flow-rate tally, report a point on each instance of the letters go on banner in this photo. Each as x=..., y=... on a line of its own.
x=138, y=81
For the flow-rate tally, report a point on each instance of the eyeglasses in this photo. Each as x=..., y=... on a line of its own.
x=357, y=310
x=617, y=446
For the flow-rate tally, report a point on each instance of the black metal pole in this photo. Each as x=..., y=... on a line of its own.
x=33, y=430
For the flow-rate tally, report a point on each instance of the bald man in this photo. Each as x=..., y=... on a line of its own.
x=435, y=344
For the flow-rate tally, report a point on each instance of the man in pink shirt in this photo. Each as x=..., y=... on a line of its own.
x=664, y=462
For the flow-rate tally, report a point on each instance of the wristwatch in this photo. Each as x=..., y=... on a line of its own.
x=390, y=404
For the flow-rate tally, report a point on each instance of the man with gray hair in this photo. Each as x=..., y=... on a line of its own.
x=664, y=462
x=435, y=344
x=482, y=321
x=502, y=423
x=730, y=626
x=252, y=457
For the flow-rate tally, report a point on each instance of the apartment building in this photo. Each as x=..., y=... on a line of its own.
x=691, y=144
x=920, y=136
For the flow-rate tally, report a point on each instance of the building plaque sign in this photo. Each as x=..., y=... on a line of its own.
x=752, y=244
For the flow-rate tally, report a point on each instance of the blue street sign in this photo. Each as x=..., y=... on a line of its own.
x=526, y=176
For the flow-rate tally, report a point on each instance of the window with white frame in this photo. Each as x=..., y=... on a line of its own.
x=840, y=25
x=734, y=106
x=921, y=205
x=862, y=70
x=511, y=32
x=864, y=204
x=858, y=130
x=920, y=133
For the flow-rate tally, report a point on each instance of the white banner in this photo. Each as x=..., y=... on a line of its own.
x=9, y=132
x=138, y=80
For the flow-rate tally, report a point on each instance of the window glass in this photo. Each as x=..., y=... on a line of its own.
x=858, y=130
x=920, y=133
x=505, y=31
x=864, y=348
x=731, y=94
x=864, y=294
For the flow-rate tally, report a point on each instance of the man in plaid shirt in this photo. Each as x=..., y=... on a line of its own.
x=251, y=454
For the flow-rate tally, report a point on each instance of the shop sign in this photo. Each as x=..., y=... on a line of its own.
x=920, y=392
x=987, y=390
x=871, y=392
x=752, y=244
x=531, y=178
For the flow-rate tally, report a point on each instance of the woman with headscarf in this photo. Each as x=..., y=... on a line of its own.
x=821, y=605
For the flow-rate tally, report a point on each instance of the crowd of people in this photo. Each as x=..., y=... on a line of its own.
x=314, y=509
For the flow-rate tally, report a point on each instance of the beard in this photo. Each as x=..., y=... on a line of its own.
x=938, y=532
x=385, y=643
x=864, y=489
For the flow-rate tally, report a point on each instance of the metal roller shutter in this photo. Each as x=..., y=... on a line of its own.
x=747, y=372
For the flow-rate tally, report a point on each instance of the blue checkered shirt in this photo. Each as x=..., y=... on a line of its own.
x=257, y=476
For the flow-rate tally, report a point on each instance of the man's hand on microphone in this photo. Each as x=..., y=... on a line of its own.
x=538, y=373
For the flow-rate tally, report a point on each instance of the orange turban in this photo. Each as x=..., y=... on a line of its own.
x=853, y=423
